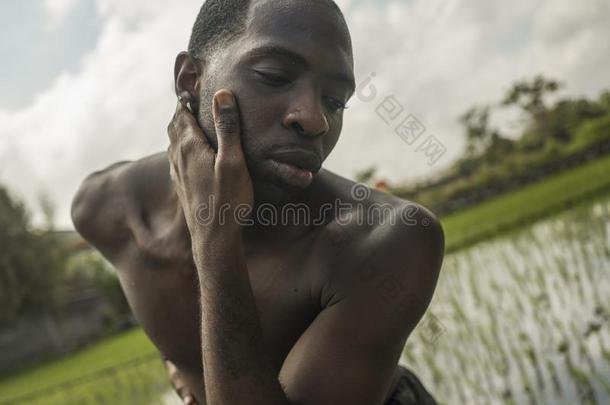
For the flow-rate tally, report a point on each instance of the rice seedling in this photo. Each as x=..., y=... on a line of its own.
x=525, y=317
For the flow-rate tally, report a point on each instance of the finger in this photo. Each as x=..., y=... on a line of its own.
x=171, y=368
x=189, y=400
x=178, y=124
x=184, y=125
x=226, y=120
x=172, y=173
x=186, y=99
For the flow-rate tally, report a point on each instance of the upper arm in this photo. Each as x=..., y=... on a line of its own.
x=350, y=351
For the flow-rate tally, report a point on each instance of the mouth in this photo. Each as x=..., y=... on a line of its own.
x=299, y=158
x=295, y=167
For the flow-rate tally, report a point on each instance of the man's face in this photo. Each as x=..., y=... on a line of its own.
x=291, y=73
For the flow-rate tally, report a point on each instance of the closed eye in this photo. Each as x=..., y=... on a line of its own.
x=335, y=105
x=279, y=80
x=272, y=79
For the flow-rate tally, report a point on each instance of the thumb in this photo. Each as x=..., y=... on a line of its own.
x=226, y=120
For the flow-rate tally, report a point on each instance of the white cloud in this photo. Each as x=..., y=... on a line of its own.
x=115, y=107
x=57, y=10
x=441, y=57
x=437, y=57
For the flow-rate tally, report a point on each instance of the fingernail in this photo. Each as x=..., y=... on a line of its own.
x=224, y=100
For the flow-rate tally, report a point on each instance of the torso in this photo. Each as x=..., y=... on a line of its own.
x=286, y=277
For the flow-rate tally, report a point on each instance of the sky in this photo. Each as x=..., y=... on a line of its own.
x=86, y=83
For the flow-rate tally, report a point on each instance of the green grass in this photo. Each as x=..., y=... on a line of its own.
x=118, y=349
x=523, y=206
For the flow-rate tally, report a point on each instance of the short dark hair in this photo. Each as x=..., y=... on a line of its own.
x=221, y=21
x=217, y=24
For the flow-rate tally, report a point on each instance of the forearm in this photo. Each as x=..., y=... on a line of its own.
x=237, y=368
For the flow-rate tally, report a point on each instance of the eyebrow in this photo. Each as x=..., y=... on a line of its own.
x=274, y=50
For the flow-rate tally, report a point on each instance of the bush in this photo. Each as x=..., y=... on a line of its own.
x=30, y=262
x=89, y=270
x=591, y=132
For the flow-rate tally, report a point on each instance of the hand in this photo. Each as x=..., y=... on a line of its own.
x=179, y=385
x=209, y=184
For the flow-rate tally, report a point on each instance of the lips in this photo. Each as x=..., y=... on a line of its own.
x=294, y=167
x=300, y=158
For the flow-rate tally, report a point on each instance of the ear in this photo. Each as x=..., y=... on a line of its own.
x=186, y=75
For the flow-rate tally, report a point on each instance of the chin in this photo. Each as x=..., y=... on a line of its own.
x=267, y=192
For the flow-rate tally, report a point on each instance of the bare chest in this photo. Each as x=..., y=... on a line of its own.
x=165, y=299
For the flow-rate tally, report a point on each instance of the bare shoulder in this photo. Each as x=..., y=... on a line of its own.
x=385, y=261
x=113, y=205
x=385, y=242
x=378, y=218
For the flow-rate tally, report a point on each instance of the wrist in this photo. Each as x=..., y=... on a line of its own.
x=217, y=241
x=211, y=213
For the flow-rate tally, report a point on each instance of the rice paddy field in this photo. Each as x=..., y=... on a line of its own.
x=523, y=318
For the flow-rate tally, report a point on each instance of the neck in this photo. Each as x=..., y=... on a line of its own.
x=290, y=218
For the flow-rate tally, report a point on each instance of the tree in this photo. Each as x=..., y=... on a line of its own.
x=30, y=261
x=566, y=116
x=604, y=100
x=476, y=125
x=530, y=97
x=366, y=176
x=480, y=138
x=48, y=209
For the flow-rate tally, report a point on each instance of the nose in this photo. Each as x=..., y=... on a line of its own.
x=307, y=118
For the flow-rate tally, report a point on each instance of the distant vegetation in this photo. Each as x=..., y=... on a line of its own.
x=39, y=273
x=554, y=137
x=521, y=207
x=31, y=262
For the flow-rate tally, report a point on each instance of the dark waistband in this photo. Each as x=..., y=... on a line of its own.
x=410, y=390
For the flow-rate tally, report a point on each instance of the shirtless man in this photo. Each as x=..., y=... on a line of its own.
x=251, y=309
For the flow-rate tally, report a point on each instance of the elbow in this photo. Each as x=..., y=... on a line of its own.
x=81, y=208
x=94, y=206
x=98, y=208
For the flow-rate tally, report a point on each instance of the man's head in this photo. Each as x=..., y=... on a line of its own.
x=289, y=64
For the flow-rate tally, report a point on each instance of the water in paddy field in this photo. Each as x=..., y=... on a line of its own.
x=522, y=319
